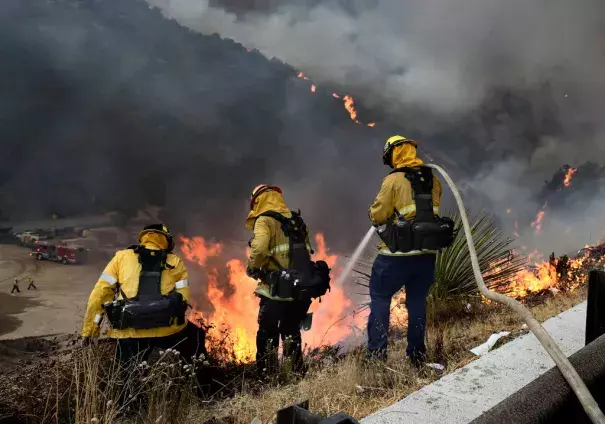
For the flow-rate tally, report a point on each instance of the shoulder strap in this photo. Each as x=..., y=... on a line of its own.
x=421, y=180
x=284, y=225
x=294, y=228
x=290, y=226
x=277, y=216
x=153, y=263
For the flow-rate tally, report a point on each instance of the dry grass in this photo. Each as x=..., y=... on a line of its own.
x=348, y=384
x=82, y=386
x=85, y=385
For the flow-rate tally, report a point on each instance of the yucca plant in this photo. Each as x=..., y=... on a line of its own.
x=454, y=271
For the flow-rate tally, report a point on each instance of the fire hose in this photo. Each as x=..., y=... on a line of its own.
x=589, y=404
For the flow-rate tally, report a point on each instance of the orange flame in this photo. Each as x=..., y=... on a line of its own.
x=321, y=254
x=195, y=249
x=236, y=307
x=543, y=276
x=238, y=311
x=568, y=176
x=399, y=312
x=537, y=223
x=349, y=102
x=333, y=321
x=350, y=107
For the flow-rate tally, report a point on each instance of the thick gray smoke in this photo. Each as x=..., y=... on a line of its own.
x=107, y=105
x=512, y=88
x=442, y=54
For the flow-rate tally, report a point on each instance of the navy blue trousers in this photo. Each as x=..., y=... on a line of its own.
x=389, y=275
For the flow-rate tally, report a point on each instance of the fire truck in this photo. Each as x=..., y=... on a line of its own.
x=59, y=253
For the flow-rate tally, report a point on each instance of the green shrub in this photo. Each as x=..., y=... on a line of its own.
x=454, y=272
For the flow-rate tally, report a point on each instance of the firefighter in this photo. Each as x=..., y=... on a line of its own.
x=31, y=283
x=391, y=271
x=269, y=250
x=149, y=289
x=15, y=286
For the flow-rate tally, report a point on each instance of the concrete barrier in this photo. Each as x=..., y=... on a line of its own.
x=595, y=310
x=463, y=395
x=548, y=399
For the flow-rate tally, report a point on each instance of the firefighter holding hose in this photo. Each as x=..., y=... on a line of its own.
x=408, y=204
x=288, y=279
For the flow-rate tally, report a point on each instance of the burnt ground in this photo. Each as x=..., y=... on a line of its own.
x=33, y=372
x=38, y=375
x=14, y=354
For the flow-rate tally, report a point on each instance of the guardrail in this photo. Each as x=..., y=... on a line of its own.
x=549, y=399
x=299, y=414
x=595, y=315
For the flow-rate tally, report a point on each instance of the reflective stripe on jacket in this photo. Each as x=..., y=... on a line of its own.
x=270, y=248
x=396, y=192
x=124, y=269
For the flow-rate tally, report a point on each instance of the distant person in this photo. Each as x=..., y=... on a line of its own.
x=15, y=286
x=409, y=196
x=31, y=284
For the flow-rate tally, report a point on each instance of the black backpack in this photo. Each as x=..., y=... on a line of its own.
x=303, y=278
x=427, y=231
x=149, y=308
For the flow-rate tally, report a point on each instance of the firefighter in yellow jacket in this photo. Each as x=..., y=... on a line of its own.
x=414, y=269
x=269, y=250
x=143, y=293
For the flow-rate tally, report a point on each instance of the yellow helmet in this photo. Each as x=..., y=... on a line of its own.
x=392, y=142
x=160, y=229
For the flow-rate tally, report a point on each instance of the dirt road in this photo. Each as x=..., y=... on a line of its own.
x=57, y=306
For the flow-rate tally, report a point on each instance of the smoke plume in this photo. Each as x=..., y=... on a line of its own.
x=512, y=88
x=107, y=105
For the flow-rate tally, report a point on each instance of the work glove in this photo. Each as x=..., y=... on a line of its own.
x=86, y=341
x=253, y=272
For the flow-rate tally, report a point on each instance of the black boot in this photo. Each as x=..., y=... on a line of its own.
x=376, y=355
x=417, y=359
